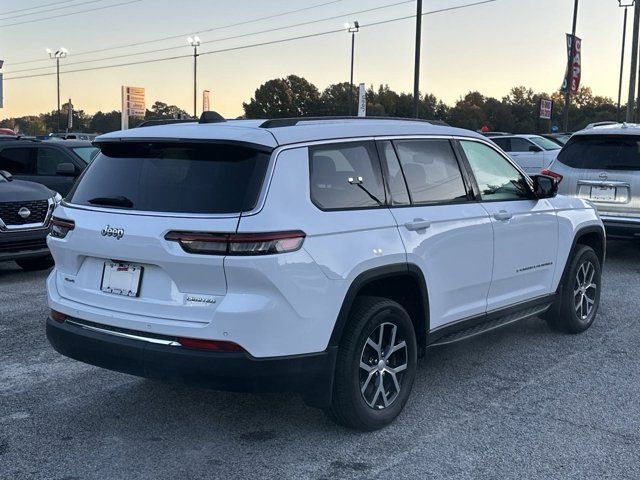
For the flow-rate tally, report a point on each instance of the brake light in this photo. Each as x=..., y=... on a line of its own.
x=212, y=345
x=58, y=316
x=61, y=227
x=556, y=176
x=238, y=243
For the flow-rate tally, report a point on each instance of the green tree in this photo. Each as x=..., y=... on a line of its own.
x=103, y=122
x=292, y=96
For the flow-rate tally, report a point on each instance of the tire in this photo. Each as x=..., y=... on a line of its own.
x=376, y=407
x=579, y=295
x=37, y=263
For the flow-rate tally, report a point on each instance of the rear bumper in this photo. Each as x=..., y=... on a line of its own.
x=23, y=244
x=621, y=227
x=310, y=374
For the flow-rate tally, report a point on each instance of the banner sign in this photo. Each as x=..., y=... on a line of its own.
x=574, y=68
x=546, y=108
x=205, y=101
x=133, y=104
x=70, y=116
x=1, y=92
x=362, y=101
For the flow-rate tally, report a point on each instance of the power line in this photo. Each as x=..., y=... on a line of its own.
x=243, y=47
x=171, y=37
x=50, y=10
x=35, y=8
x=51, y=17
x=234, y=37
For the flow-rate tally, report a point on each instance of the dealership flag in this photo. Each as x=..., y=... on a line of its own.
x=574, y=71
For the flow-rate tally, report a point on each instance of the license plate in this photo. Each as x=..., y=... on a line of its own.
x=121, y=279
x=603, y=194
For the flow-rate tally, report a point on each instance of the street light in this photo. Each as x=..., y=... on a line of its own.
x=352, y=29
x=625, y=4
x=195, y=43
x=58, y=54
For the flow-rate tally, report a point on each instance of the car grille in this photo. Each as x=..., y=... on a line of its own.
x=25, y=245
x=9, y=212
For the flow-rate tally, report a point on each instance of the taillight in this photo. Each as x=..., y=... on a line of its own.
x=58, y=316
x=60, y=227
x=211, y=345
x=238, y=243
x=556, y=176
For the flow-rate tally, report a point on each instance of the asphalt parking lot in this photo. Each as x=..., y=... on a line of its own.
x=522, y=402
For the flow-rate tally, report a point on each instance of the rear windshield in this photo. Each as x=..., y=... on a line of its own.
x=173, y=177
x=602, y=152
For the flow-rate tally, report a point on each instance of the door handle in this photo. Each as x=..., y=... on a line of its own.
x=417, y=224
x=503, y=215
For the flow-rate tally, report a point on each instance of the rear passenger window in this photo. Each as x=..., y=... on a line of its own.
x=520, y=145
x=17, y=161
x=346, y=175
x=48, y=161
x=431, y=170
x=503, y=143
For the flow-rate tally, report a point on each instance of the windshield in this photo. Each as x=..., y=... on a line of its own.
x=204, y=178
x=86, y=153
x=602, y=152
x=545, y=143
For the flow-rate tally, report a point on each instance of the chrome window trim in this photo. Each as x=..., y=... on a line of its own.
x=31, y=226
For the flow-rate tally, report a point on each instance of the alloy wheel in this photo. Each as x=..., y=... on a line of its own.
x=383, y=361
x=585, y=290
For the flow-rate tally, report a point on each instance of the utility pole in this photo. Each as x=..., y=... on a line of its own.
x=195, y=43
x=567, y=94
x=416, y=68
x=629, y=3
x=352, y=30
x=57, y=55
x=634, y=64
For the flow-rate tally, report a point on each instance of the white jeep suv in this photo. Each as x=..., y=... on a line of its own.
x=319, y=256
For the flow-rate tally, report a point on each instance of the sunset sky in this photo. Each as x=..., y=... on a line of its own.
x=489, y=47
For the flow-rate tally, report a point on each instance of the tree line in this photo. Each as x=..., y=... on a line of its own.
x=294, y=96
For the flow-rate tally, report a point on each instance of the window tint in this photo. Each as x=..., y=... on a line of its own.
x=602, y=152
x=173, y=177
x=497, y=179
x=432, y=171
x=346, y=175
x=86, y=153
x=520, y=145
x=394, y=176
x=17, y=161
x=545, y=143
x=48, y=160
x=503, y=143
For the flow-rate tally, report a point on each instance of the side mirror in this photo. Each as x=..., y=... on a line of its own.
x=545, y=186
x=66, y=170
x=6, y=175
x=534, y=148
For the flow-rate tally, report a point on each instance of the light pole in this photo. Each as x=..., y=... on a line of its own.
x=352, y=29
x=626, y=4
x=416, y=68
x=57, y=55
x=195, y=43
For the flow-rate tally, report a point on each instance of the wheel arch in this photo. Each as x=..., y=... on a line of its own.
x=592, y=236
x=404, y=283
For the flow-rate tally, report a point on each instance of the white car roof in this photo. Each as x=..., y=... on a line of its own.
x=612, y=129
x=516, y=135
x=274, y=133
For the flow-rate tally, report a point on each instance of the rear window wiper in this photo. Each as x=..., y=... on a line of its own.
x=118, y=201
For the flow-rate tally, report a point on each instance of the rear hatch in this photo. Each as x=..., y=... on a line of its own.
x=116, y=256
x=604, y=169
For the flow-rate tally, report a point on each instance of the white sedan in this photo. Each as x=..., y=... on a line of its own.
x=532, y=152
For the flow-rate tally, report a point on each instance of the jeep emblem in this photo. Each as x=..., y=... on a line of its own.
x=110, y=231
x=24, y=213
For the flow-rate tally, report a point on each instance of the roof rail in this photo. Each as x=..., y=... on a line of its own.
x=165, y=121
x=211, y=117
x=290, y=122
x=601, y=124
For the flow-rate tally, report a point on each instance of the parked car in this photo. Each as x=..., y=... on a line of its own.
x=72, y=136
x=494, y=134
x=25, y=215
x=532, y=152
x=6, y=131
x=602, y=164
x=559, y=138
x=312, y=255
x=53, y=164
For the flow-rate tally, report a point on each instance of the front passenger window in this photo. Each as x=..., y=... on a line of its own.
x=497, y=179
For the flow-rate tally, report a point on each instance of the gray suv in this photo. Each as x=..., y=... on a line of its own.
x=602, y=164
